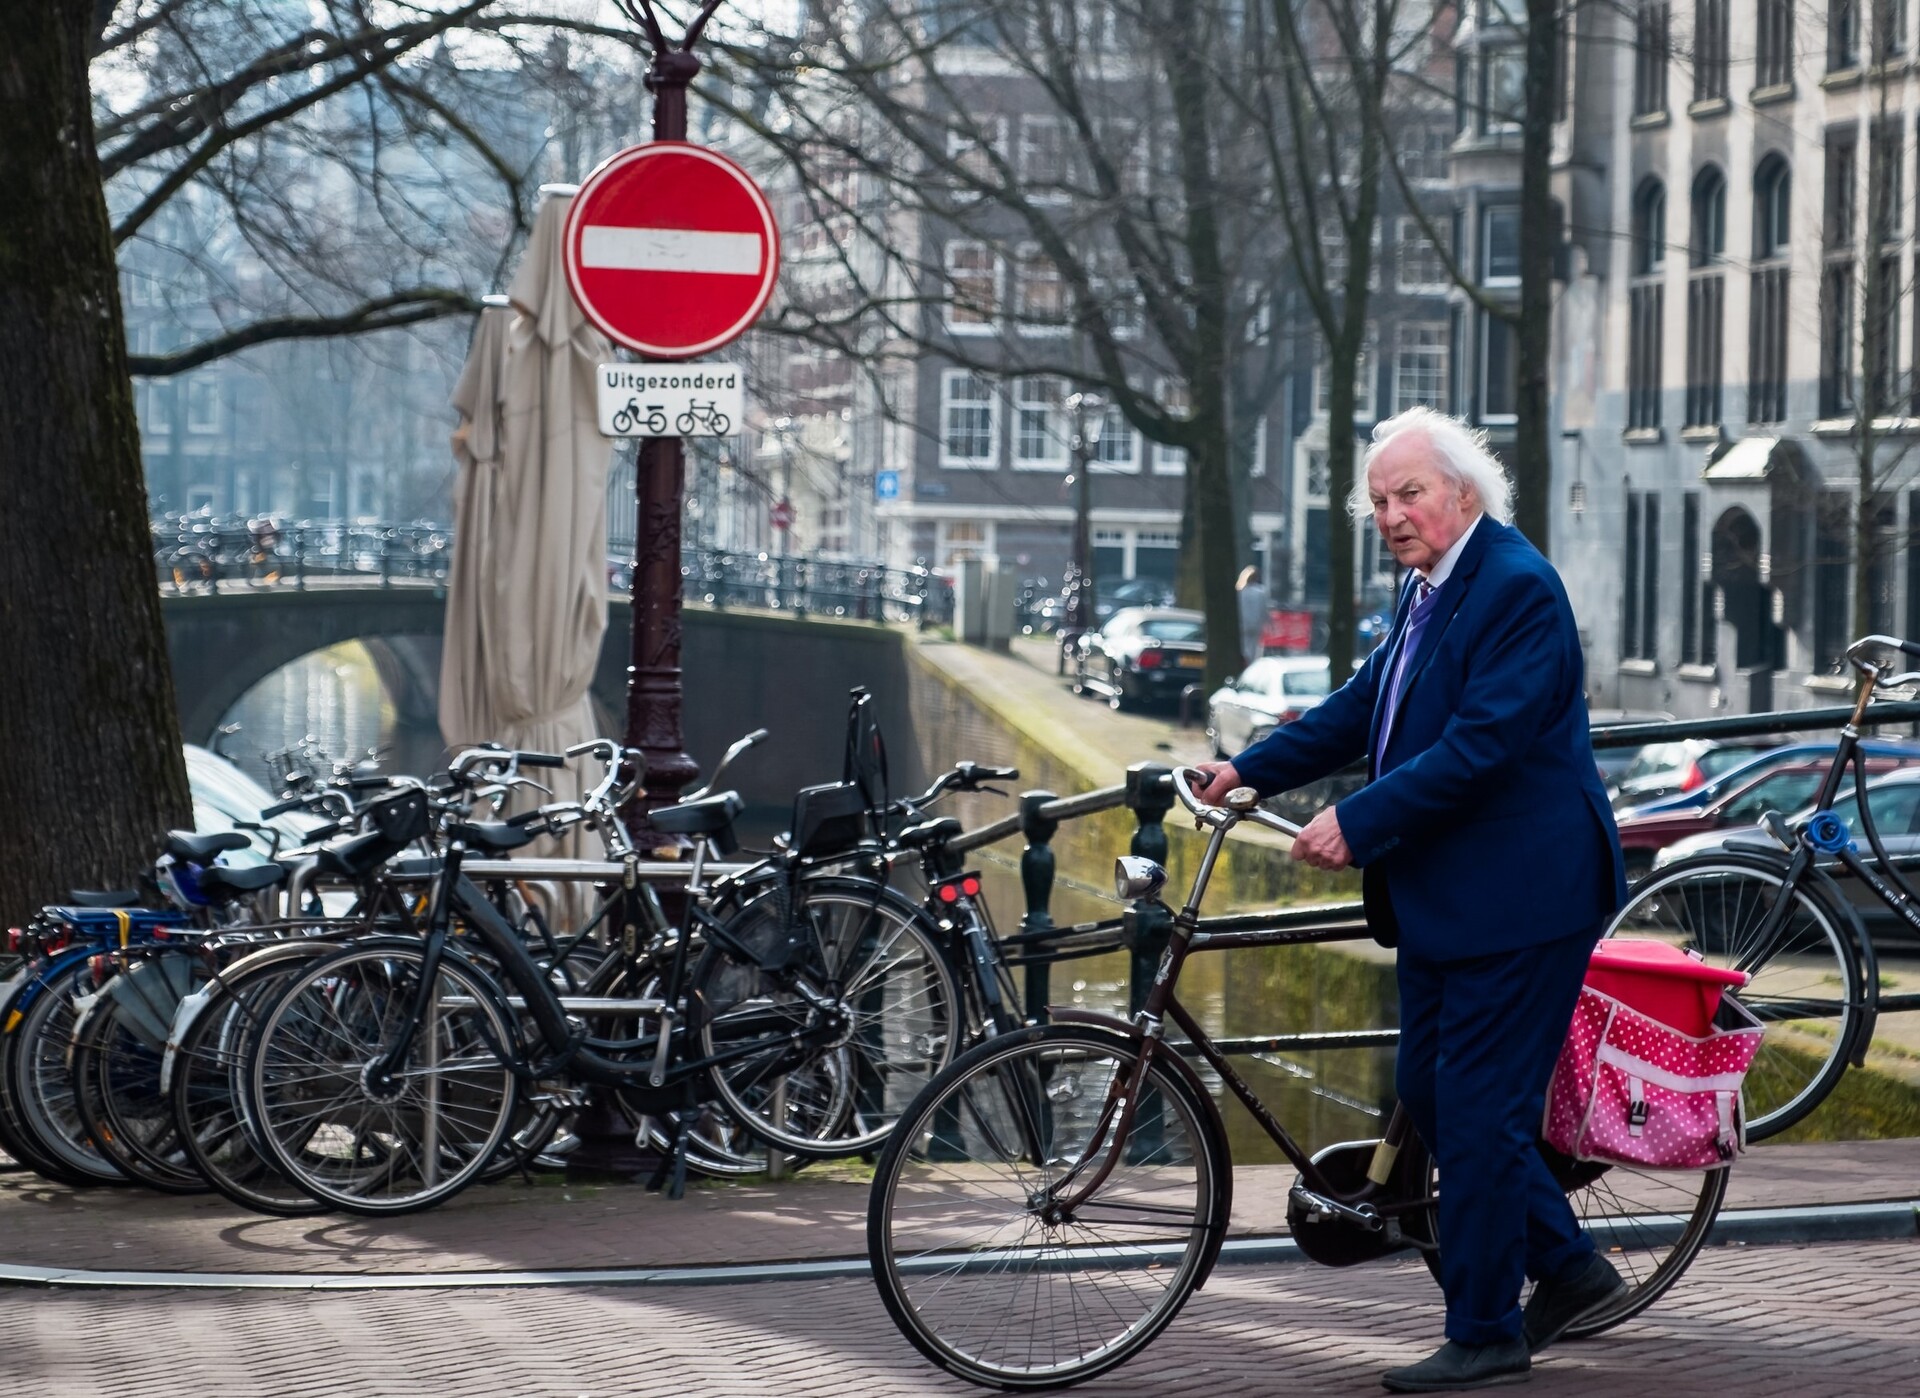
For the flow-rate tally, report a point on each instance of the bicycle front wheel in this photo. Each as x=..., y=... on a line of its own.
x=367, y=1146
x=1807, y=986
x=976, y=1262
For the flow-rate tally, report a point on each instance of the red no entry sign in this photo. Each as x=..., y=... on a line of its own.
x=671, y=249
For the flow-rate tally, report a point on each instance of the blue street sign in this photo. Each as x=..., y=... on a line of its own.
x=886, y=485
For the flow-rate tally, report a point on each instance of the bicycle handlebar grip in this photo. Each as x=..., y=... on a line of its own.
x=1911, y=648
x=540, y=759
x=759, y=735
x=282, y=807
x=368, y=783
x=998, y=774
x=526, y=818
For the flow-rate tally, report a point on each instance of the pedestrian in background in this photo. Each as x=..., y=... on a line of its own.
x=1254, y=606
x=1490, y=859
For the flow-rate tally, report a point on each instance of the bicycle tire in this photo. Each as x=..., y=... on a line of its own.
x=41, y=1086
x=955, y=1211
x=868, y=952
x=1714, y=904
x=14, y=1137
x=410, y=1147
x=115, y=1066
x=207, y=1087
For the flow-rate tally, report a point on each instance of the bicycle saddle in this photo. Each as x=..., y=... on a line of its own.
x=104, y=898
x=930, y=832
x=194, y=848
x=708, y=816
x=226, y=884
x=351, y=858
x=491, y=836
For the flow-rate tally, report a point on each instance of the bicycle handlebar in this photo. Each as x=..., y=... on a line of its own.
x=1243, y=803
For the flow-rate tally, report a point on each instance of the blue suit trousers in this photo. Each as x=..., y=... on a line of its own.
x=1478, y=1041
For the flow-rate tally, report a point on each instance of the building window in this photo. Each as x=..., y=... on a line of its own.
x=1503, y=90
x=1039, y=430
x=1363, y=372
x=1832, y=558
x=1119, y=446
x=973, y=272
x=1887, y=179
x=968, y=436
x=1423, y=159
x=1041, y=300
x=1499, y=369
x=1646, y=302
x=1640, y=599
x=1500, y=245
x=1709, y=50
x=1177, y=399
x=972, y=150
x=1880, y=348
x=1650, y=58
x=960, y=540
x=1692, y=602
x=1333, y=251
x=1706, y=297
x=1117, y=293
x=1773, y=44
x=1767, y=311
x=1418, y=267
x=203, y=404
x=1843, y=34
x=1043, y=157
x=1420, y=365
x=1837, y=213
x=1837, y=280
x=1889, y=29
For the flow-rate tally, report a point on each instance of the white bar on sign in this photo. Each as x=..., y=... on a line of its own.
x=669, y=250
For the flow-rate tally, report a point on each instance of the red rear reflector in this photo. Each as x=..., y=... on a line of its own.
x=1151, y=659
x=949, y=894
x=970, y=887
x=16, y=939
x=99, y=965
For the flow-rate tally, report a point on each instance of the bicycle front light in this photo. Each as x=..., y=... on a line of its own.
x=1134, y=877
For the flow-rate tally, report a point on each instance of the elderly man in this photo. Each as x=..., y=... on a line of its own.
x=1490, y=857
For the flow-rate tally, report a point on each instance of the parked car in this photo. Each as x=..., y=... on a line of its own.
x=1666, y=769
x=1784, y=786
x=1144, y=654
x=1265, y=695
x=1895, y=802
x=1786, y=754
x=1613, y=762
x=224, y=797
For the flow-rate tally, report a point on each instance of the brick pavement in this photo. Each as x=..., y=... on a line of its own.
x=1832, y=1321
x=515, y=1226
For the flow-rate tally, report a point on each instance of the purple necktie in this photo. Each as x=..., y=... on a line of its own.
x=1423, y=607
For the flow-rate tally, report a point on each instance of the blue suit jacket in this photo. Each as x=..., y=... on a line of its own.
x=1485, y=813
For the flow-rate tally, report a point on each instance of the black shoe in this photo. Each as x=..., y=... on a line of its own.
x=1455, y=1366
x=1556, y=1307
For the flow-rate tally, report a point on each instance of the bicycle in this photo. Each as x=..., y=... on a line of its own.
x=700, y=414
x=1049, y=1202
x=1775, y=912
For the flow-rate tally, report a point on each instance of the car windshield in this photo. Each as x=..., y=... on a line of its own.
x=1304, y=684
x=1892, y=806
x=1780, y=792
x=1173, y=629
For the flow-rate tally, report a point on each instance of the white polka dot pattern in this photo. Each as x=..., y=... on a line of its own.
x=1630, y=1090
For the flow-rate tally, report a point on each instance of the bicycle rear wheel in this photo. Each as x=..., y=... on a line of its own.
x=1807, y=985
x=40, y=1084
x=975, y=1265
x=117, y=1053
x=357, y=1144
x=827, y=1050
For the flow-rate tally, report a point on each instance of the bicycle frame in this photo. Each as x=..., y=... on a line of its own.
x=1369, y=1206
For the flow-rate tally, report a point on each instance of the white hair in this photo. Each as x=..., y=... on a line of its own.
x=1459, y=451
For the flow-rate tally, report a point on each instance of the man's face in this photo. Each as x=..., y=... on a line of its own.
x=1419, y=512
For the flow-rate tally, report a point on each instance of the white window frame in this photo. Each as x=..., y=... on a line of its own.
x=1102, y=464
x=949, y=256
x=1481, y=338
x=1056, y=430
x=945, y=543
x=1409, y=234
x=1365, y=384
x=1027, y=257
x=1485, y=241
x=1173, y=395
x=203, y=393
x=1444, y=348
x=959, y=145
x=1259, y=466
x=991, y=461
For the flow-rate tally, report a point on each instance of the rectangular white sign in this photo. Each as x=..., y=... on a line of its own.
x=669, y=250
x=671, y=400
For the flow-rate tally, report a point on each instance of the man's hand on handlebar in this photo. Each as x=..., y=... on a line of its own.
x=1321, y=844
x=1223, y=779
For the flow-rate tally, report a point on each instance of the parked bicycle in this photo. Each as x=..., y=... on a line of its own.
x=1774, y=911
x=1050, y=1201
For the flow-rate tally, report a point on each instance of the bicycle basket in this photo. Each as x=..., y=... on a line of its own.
x=400, y=819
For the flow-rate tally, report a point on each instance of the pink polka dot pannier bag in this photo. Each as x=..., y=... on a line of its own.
x=1651, y=1070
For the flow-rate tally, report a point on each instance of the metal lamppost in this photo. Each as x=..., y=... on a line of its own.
x=653, y=689
x=1088, y=413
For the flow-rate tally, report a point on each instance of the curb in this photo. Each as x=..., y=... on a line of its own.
x=1739, y=1227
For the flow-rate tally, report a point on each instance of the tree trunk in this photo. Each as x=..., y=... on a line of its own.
x=93, y=772
x=1531, y=462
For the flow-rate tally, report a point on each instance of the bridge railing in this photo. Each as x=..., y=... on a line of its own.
x=200, y=553
x=852, y=589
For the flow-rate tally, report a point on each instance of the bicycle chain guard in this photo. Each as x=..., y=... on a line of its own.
x=1334, y=1241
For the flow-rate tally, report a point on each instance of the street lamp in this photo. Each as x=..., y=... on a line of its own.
x=1088, y=412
